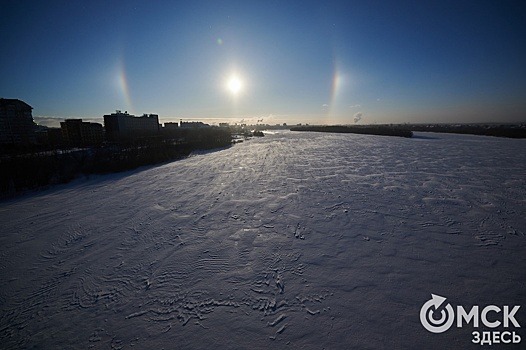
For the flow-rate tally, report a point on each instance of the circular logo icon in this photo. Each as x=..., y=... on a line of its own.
x=443, y=321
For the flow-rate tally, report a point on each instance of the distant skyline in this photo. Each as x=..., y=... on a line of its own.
x=330, y=62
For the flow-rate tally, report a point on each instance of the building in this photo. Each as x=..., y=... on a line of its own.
x=123, y=126
x=75, y=132
x=194, y=125
x=171, y=126
x=91, y=134
x=55, y=137
x=16, y=122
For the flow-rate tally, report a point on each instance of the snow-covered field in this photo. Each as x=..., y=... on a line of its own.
x=294, y=240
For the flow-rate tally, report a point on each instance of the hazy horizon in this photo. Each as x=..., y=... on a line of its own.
x=283, y=62
x=55, y=121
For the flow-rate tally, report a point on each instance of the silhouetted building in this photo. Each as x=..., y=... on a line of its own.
x=75, y=132
x=171, y=126
x=173, y=131
x=41, y=136
x=193, y=125
x=92, y=133
x=54, y=136
x=124, y=126
x=71, y=131
x=16, y=122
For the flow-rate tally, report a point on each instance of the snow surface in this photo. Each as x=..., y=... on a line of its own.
x=294, y=240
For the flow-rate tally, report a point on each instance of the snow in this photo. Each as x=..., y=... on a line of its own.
x=293, y=240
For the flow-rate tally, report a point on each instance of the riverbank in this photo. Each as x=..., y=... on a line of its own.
x=382, y=130
x=38, y=170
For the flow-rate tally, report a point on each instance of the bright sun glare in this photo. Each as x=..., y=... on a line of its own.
x=234, y=85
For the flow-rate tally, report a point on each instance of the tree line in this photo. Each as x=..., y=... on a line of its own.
x=27, y=171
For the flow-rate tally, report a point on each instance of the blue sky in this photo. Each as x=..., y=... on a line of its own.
x=315, y=62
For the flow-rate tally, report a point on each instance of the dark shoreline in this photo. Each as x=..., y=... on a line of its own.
x=517, y=131
x=382, y=130
x=24, y=172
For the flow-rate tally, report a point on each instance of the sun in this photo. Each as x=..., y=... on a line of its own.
x=234, y=85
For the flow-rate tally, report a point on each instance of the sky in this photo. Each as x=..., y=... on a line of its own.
x=318, y=62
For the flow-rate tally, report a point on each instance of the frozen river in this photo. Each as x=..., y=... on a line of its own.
x=294, y=240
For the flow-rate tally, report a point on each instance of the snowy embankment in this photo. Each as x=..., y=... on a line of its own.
x=288, y=241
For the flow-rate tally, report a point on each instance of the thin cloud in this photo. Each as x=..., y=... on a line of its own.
x=355, y=106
